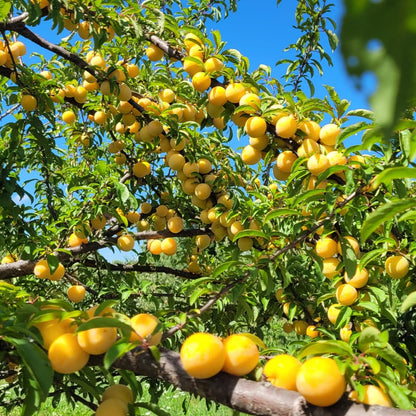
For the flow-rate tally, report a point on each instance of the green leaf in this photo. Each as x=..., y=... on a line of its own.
x=367, y=336
x=396, y=393
x=383, y=214
x=332, y=39
x=408, y=144
x=409, y=302
x=348, y=257
x=394, y=173
x=392, y=25
x=326, y=347
x=387, y=352
x=373, y=363
x=251, y=233
x=36, y=363
x=116, y=351
x=53, y=262
x=122, y=191
x=280, y=212
x=196, y=294
x=154, y=350
x=4, y=9
x=225, y=266
x=371, y=255
x=103, y=322
x=361, y=113
x=350, y=130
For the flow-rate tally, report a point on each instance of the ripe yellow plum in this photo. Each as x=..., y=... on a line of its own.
x=241, y=355
x=144, y=325
x=250, y=155
x=169, y=246
x=28, y=102
x=66, y=355
x=320, y=381
x=286, y=126
x=359, y=279
x=282, y=370
x=326, y=247
x=397, y=267
x=118, y=391
x=329, y=133
x=234, y=92
x=154, y=53
x=255, y=126
x=125, y=242
x=317, y=163
x=202, y=355
x=346, y=294
x=112, y=407
x=285, y=161
x=373, y=395
x=97, y=341
x=201, y=81
x=331, y=267
x=76, y=293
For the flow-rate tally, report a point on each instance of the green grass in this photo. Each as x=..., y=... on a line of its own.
x=171, y=401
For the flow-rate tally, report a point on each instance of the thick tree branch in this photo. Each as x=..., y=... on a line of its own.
x=144, y=268
x=59, y=50
x=255, y=398
x=13, y=22
x=24, y=267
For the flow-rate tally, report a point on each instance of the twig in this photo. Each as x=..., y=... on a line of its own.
x=203, y=308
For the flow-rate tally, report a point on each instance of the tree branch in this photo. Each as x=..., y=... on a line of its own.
x=144, y=268
x=59, y=50
x=252, y=397
x=201, y=310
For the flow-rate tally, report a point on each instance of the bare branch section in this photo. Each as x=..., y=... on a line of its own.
x=11, y=23
x=69, y=56
x=255, y=398
x=144, y=268
x=24, y=267
x=171, y=52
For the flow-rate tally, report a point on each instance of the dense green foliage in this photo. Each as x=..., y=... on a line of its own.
x=97, y=125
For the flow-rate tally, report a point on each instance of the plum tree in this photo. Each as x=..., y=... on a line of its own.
x=122, y=191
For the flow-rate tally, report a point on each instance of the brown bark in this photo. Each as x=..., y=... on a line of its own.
x=25, y=267
x=255, y=398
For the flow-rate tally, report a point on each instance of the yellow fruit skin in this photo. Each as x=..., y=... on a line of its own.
x=120, y=392
x=112, y=407
x=202, y=355
x=320, y=381
x=66, y=356
x=76, y=293
x=97, y=341
x=241, y=355
x=346, y=294
x=125, y=242
x=373, y=395
x=397, y=267
x=144, y=324
x=282, y=370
